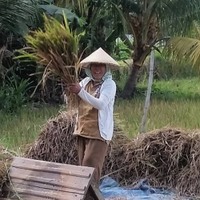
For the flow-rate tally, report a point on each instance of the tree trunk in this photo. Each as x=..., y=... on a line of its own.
x=130, y=85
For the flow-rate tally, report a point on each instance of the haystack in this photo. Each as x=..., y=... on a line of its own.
x=5, y=161
x=56, y=142
x=168, y=158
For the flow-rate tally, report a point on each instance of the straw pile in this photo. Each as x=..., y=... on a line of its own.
x=5, y=161
x=56, y=143
x=167, y=158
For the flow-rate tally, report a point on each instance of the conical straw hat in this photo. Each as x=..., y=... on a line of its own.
x=99, y=56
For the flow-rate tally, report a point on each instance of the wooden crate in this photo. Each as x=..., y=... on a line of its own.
x=39, y=180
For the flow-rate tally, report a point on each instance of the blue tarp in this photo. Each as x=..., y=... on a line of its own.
x=142, y=191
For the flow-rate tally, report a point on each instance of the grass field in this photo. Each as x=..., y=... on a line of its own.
x=21, y=128
x=174, y=103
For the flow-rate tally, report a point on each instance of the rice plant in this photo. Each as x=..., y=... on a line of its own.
x=55, y=49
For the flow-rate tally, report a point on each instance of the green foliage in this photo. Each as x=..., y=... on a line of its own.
x=57, y=12
x=121, y=51
x=16, y=15
x=13, y=94
x=166, y=68
x=174, y=89
x=185, y=49
x=182, y=88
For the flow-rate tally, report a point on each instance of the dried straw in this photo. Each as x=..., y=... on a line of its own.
x=6, y=158
x=168, y=158
x=56, y=142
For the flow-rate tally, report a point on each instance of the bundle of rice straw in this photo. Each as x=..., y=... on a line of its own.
x=55, y=49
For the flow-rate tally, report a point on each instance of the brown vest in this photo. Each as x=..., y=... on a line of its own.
x=87, y=125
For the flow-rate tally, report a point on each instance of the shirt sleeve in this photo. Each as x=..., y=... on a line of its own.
x=107, y=94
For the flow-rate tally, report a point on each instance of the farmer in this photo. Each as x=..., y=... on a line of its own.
x=95, y=111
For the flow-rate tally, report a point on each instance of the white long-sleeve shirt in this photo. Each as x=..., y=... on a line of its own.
x=104, y=104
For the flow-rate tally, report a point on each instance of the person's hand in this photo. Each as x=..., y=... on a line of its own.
x=74, y=88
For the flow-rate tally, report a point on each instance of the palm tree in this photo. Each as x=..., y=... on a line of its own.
x=185, y=49
x=150, y=21
x=15, y=20
x=99, y=20
x=15, y=16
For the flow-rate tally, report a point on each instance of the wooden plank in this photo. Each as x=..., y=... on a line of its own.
x=72, y=182
x=14, y=196
x=56, y=195
x=36, y=179
x=25, y=197
x=29, y=197
x=45, y=166
x=46, y=186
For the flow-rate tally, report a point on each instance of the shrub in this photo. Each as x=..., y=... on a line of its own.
x=13, y=94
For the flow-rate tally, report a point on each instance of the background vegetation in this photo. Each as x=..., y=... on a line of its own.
x=175, y=102
x=128, y=30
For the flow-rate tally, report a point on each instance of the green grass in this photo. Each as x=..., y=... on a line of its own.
x=177, y=89
x=183, y=114
x=174, y=103
x=23, y=127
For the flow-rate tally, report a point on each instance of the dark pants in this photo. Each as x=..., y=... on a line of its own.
x=91, y=153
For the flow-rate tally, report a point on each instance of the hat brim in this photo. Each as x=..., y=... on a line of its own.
x=109, y=65
x=99, y=56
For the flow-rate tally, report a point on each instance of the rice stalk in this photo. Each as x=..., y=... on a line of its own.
x=55, y=49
